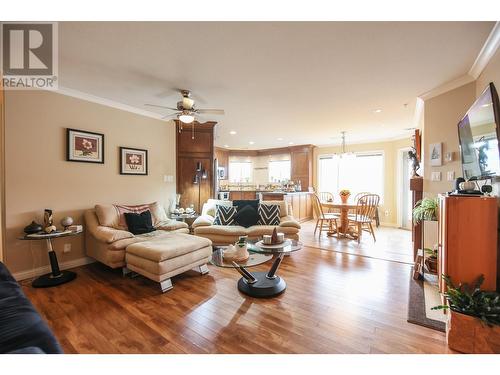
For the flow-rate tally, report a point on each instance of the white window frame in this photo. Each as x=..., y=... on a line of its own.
x=359, y=153
x=278, y=161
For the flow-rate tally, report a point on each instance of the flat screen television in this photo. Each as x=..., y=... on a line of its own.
x=478, y=134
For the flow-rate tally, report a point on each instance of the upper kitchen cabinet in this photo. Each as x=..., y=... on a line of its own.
x=302, y=165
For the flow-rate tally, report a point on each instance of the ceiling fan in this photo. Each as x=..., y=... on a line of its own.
x=186, y=110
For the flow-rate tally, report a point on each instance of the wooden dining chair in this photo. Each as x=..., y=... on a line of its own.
x=327, y=197
x=366, y=207
x=377, y=217
x=324, y=220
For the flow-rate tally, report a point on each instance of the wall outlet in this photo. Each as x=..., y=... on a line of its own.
x=67, y=248
x=450, y=176
x=168, y=178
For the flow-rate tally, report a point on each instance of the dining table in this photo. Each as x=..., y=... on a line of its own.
x=344, y=208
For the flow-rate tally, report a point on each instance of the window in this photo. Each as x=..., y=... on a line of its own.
x=279, y=170
x=363, y=172
x=240, y=171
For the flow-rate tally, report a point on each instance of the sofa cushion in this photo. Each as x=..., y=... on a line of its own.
x=112, y=215
x=260, y=230
x=139, y=223
x=288, y=221
x=230, y=230
x=269, y=214
x=209, y=208
x=247, y=216
x=283, y=206
x=225, y=215
x=168, y=247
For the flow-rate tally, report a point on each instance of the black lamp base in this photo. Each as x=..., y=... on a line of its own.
x=49, y=280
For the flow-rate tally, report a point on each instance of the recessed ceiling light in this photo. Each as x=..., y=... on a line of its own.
x=232, y=132
x=251, y=142
x=279, y=139
x=226, y=146
x=377, y=111
x=291, y=143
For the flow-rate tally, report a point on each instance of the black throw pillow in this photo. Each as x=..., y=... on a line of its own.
x=240, y=203
x=247, y=216
x=139, y=223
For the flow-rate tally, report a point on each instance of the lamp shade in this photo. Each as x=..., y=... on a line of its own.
x=186, y=118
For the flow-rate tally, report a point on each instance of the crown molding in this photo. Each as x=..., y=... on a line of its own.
x=448, y=86
x=487, y=52
x=106, y=102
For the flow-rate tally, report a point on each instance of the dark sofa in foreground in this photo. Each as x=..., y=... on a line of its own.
x=22, y=329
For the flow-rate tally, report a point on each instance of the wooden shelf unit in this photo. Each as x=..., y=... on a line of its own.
x=468, y=240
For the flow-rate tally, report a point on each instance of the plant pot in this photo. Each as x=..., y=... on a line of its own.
x=468, y=334
x=432, y=264
x=344, y=198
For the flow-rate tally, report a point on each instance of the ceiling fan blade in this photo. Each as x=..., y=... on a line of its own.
x=210, y=111
x=170, y=116
x=161, y=106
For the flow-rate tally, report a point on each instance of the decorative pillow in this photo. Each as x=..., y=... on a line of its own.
x=269, y=214
x=224, y=215
x=139, y=223
x=247, y=216
x=240, y=203
x=112, y=215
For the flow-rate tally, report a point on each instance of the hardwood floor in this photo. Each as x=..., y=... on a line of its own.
x=392, y=243
x=334, y=303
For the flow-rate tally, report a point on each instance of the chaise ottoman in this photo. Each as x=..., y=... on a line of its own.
x=160, y=259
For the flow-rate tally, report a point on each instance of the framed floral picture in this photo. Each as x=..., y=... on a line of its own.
x=133, y=161
x=84, y=146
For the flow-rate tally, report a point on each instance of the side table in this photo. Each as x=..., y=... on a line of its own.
x=56, y=277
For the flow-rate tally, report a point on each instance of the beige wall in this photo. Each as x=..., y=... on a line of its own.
x=441, y=116
x=38, y=177
x=391, y=152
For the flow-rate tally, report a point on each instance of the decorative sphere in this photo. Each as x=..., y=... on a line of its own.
x=67, y=221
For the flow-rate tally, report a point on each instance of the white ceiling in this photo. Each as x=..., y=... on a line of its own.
x=303, y=82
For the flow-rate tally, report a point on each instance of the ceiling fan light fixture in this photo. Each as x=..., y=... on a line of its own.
x=186, y=118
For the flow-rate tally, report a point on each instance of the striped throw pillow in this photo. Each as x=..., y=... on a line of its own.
x=224, y=215
x=269, y=214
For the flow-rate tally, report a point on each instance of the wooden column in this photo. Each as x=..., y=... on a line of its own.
x=190, y=151
x=417, y=188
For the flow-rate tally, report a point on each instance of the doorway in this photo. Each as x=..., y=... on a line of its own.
x=404, y=196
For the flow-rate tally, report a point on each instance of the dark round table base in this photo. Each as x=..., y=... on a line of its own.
x=263, y=287
x=47, y=281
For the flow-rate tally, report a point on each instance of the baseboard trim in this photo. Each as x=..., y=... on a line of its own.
x=23, y=275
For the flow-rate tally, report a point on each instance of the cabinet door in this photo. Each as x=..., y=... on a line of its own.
x=296, y=206
x=303, y=207
x=442, y=243
x=309, y=213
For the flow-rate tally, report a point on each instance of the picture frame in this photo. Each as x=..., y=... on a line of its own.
x=84, y=146
x=436, y=154
x=133, y=161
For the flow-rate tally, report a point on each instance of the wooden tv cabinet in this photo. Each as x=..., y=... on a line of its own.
x=467, y=239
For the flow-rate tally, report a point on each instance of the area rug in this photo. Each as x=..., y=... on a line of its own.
x=423, y=295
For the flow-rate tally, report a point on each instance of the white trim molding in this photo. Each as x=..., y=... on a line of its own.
x=487, y=52
x=448, y=86
x=107, y=102
x=46, y=269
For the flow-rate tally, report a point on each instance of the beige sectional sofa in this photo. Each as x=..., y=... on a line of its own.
x=158, y=255
x=227, y=234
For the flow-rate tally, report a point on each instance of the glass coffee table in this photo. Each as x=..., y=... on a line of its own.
x=260, y=284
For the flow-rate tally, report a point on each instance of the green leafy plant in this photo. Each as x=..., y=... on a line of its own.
x=425, y=209
x=432, y=253
x=469, y=299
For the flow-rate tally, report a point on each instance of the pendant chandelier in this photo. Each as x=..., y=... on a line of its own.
x=344, y=154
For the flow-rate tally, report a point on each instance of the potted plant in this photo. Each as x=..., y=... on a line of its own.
x=425, y=209
x=473, y=324
x=344, y=195
x=431, y=260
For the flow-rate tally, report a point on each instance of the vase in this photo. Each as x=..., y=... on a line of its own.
x=468, y=334
x=344, y=198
